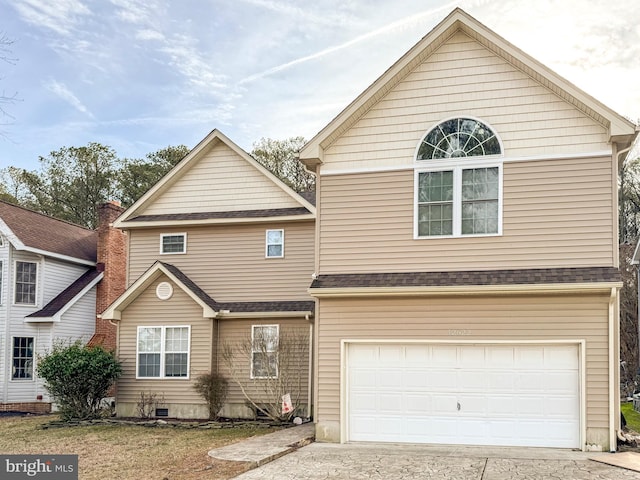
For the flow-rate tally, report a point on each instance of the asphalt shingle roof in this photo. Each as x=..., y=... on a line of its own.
x=41, y=232
x=244, y=307
x=273, y=212
x=68, y=294
x=469, y=278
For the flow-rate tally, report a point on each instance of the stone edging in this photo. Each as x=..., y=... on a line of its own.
x=159, y=423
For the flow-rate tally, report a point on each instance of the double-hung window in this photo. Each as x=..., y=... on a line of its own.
x=22, y=358
x=458, y=181
x=264, y=351
x=25, y=284
x=163, y=352
x=274, y=244
x=172, y=243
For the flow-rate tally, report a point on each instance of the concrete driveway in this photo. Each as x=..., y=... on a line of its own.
x=410, y=462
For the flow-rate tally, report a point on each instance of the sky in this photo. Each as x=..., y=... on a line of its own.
x=139, y=75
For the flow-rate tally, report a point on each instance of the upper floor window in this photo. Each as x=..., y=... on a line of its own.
x=459, y=137
x=173, y=243
x=275, y=244
x=456, y=195
x=26, y=282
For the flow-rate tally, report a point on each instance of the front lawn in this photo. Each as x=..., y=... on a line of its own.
x=631, y=416
x=127, y=452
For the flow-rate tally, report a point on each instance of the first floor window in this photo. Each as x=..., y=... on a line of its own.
x=26, y=281
x=458, y=201
x=163, y=352
x=275, y=244
x=264, y=351
x=22, y=358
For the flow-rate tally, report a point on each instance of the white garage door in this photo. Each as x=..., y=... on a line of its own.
x=525, y=395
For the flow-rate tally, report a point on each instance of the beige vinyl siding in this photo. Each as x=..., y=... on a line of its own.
x=513, y=318
x=228, y=261
x=148, y=310
x=220, y=181
x=233, y=333
x=556, y=213
x=463, y=78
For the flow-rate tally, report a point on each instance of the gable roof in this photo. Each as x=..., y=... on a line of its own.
x=53, y=311
x=134, y=216
x=620, y=129
x=210, y=308
x=34, y=232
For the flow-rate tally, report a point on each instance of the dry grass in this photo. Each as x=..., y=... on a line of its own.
x=127, y=452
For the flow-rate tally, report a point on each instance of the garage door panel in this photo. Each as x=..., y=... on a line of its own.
x=560, y=382
x=524, y=395
x=417, y=404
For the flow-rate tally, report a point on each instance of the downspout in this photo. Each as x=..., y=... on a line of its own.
x=612, y=387
x=310, y=379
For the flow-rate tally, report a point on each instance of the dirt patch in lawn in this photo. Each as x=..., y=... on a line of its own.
x=128, y=451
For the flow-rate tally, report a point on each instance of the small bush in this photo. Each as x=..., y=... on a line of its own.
x=148, y=403
x=78, y=377
x=213, y=388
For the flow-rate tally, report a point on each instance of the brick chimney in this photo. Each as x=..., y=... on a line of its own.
x=112, y=260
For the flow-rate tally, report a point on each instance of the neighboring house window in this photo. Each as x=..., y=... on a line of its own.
x=264, y=351
x=275, y=244
x=456, y=195
x=26, y=281
x=22, y=358
x=163, y=352
x=173, y=243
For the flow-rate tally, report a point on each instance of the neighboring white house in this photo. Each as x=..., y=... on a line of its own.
x=48, y=279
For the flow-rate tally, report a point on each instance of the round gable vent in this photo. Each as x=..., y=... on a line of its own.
x=164, y=291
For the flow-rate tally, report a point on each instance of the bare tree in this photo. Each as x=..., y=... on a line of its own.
x=267, y=367
x=628, y=321
x=281, y=158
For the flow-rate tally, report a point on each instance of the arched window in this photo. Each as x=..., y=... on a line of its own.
x=459, y=137
x=457, y=193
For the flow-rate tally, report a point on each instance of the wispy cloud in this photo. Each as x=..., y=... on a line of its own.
x=187, y=59
x=59, y=15
x=149, y=34
x=61, y=90
x=392, y=27
x=306, y=13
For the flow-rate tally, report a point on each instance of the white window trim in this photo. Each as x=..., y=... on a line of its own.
x=456, y=165
x=253, y=328
x=184, y=249
x=33, y=360
x=267, y=244
x=15, y=279
x=163, y=329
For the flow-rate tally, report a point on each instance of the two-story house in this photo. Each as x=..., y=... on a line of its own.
x=466, y=258
x=221, y=252
x=48, y=279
